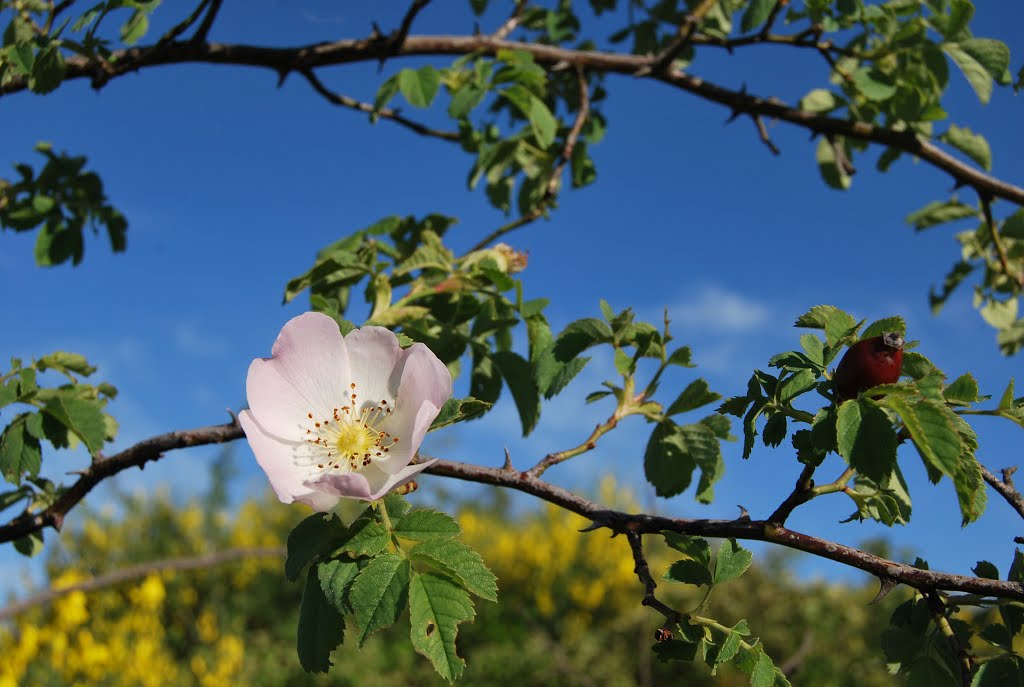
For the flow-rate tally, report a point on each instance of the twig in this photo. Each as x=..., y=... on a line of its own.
x=664, y=59
x=511, y=23
x=791, y=665
x=203, y=31
x=184, y=26
x=1005, y=488
x=600, y=516
x=588, y=445
x=762, y=131
x=643, y=572
x=938, y=609
x=986, y=208
x=565, y=157
x=770, y=22
x=385, y=112
x=116, y=577
x=802, y=493
x=398, y=38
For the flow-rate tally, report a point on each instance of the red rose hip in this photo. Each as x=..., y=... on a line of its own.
x=868, y=363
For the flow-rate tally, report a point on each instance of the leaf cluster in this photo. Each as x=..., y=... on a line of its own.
x=65, y=415
x=364, y=570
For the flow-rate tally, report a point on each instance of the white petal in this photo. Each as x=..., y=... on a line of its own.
x=305, y=374
x=368, y=484
x=410, y=433
x=373, y=353
x=276, y=457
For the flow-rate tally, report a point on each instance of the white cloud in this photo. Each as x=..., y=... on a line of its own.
x=719, y=310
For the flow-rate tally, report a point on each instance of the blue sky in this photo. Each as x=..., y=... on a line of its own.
x=231, y=185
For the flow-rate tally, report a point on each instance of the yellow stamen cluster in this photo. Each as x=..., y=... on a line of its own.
x=352, y=437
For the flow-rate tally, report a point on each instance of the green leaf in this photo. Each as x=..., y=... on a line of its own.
x=1002, y=671
x=696, y=394
x=84, y=418
x=419, y=86
x=674, y=451
x=820, y=100
x=365, y=536
x=564, y=373
x=696, y=548
x=971, y=490
x=379, y=593
x=970, y=144
x=135, y=28
x=47, y=70
x=579, y=336
x=866, y=439
x=321, y=628
x=763, y=674
x=423, y=523
x=315, y=536
x=681, y=356
x=1006, y=400
x=70, y=362
x=987, y=570
x=933, y=432
x=774, y=430
x=458, y=561
x=991, y=54
x=542, y=122
x=29, y=545
x=457, y=410
x=817, y=317
x=977, y=75
x=874, y=84
x=518, y=375
x=733, y=560
x=797, y=384
x=336, y=576
x=940, y=212
x=1013, y=226
x=757, y=14
x=20, y=452
x=436, y=607
x=687, y=571
x=832, y=172
x=963, y=390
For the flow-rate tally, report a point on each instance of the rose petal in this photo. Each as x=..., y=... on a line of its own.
x=276, y=458
x=373, y=353
x=304, y=375
x=369, y=484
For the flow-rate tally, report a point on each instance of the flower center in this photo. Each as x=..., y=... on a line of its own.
x=353, y=437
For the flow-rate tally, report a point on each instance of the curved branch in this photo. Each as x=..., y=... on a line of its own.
x=617, y=521
x=135, y=456
x=115, y=577
x=1005, y=487
x=284, y=60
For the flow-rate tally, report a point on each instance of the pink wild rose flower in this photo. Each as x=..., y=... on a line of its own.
x=334, y=417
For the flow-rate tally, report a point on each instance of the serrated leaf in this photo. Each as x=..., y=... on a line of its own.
x=970, y=144
x=820, y=101
x=986, y=570
x=135, y=28
x=817, y=317
x=696, y=394
x=865, y=437
x=1006, y=400
x=84, y=418
x=673, y=452
x=1002, y=671
x=518, y=375
x=315, y=536
x=774, y=430
x=365, y=536
x=419, y=86
x=831, y=171
x=321, y=628
x=797, y=384
x=564, y=374
x=733, y=560
x=29, y=545
x=336, y=576
x=695, y=547
x=436, y=608
x=579, y=336
x=681, y=356
x=62, y=360
x=20, y=452
x=688, y=571
x=975, y=73
x=379, y=593
x=886, y=324
x=424, y=523
x=457, y=560
x=933, y=432
x=964, y=389
x=763, y=674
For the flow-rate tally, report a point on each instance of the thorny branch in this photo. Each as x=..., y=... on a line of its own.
x=116, y=577
x=283, y=60
x=617, y=521
x=643, y=572
x=385, y=112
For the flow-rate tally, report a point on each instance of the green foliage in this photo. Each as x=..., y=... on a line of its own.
x=868, y=431
x=63, y=414
x=61, y=200
x=362, y=569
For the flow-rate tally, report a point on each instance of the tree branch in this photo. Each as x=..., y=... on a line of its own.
x=283, y=60
x=385, y=112
x=135, y=456
x=116, y=577
x=643, y=572
x=204, y=29
x=617, y=521
x=1005, y=487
